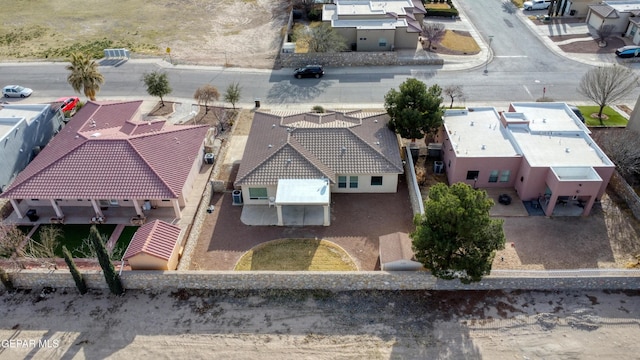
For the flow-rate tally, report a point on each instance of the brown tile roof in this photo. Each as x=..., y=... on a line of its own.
x=605, y=11
x=105, y=151
x=157, y=238
x=309, y=145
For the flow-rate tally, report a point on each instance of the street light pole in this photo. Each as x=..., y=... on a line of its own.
x=486, y=66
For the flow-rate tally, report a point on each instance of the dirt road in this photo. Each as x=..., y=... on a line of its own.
x=320, y=325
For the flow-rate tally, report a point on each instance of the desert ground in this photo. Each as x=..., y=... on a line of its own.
x=243, y=33
x=319, y=325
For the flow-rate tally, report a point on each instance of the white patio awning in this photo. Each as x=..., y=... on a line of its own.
x=303, y=192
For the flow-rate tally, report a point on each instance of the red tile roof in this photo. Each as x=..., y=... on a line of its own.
x=157, y=238
x=106, y=151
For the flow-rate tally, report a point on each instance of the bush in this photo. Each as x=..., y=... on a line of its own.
x=318, y=109
x=442, y=12
x=315, y=14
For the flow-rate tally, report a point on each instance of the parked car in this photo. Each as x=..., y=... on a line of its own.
x=68, y=103
x=16, y=91
x=315, y=71
x=536, y=4
x=577, y=112
x=628, y=51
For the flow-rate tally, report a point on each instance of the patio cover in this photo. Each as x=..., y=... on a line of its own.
x=303, y=192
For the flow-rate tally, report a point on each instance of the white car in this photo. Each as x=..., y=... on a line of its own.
x=536, y=4
x=16, y=91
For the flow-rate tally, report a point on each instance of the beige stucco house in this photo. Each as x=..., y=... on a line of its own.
x=376, y=25
x=299, y=159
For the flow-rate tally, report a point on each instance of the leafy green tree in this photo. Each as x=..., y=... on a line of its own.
x=75, y=273
x=415, y=111
x=206, y=94
x=232, y=94
x=606, y=84
x=157, y=84
x=85, y=75
x=456, y=237
x=321, y=38
x=110, y=274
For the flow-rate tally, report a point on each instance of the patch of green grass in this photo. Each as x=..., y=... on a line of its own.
x=25, y=228
x=72, y=236
x=297, y=255
x=124, y=240
x=615, y=119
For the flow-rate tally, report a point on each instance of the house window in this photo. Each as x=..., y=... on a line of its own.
x=376, y=180
x=165, y=200
x=35, y=199
x=472, y=174
x=504, y=177
x=634, y=29
x=342, y=182
x=353, y=182
x=258, y=193
x=493, y=177
x=382, y=42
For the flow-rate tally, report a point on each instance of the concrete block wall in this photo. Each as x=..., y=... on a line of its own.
x=344, y=59
x=337, y=281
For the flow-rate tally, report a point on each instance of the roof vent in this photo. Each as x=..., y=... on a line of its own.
x=484, y=146
x=273, y=125
x=288, y=161
x=375, y=120
x=471, y=123
x=343, y=149
x=544, y=121
x=269, y=146
x=95, y=135
x=567, y=150
x=77, y=136
x=377, y=142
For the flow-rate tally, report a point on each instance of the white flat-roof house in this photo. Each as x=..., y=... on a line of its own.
x=376, y=25
x=542, y=150
x=24, y=130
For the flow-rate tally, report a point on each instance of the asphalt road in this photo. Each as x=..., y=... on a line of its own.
x=520, y=68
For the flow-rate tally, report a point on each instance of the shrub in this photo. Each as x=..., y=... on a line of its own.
x=318, y=109
x=315, y=14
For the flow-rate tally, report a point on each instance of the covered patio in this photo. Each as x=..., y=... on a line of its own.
x=298, y=202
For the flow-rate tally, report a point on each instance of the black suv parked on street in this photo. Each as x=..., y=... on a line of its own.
x=315, y=71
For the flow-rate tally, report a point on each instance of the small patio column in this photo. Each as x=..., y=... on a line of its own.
x=176, y=208
x=56, y=208
x=279, y=211
x=551, y=205
x=327, y=218
x=587, y=208
x=138, y=208
x=16, y=208
x=96, y=208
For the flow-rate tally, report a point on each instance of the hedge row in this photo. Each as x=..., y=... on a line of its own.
x=442, y=12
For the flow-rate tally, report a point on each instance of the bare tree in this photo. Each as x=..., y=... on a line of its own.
x=621, y=146
x=453, y=92
x=433, y=33
x=206, y=94
x=305, y=5
x=11, y=240
x=606, y=84
x=321, y=38
x=44, y=250
x=603, y=34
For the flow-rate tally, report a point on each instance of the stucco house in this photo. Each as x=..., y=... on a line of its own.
x=294, y=158
x=155, y=246
x=376, y=25
x=622, y=15
x=24, y=130
x=107, y=157
x=542, y=150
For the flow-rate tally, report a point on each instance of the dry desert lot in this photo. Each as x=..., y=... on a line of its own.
x=209, y=32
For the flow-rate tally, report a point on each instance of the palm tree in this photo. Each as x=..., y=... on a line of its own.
x=84, y=75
